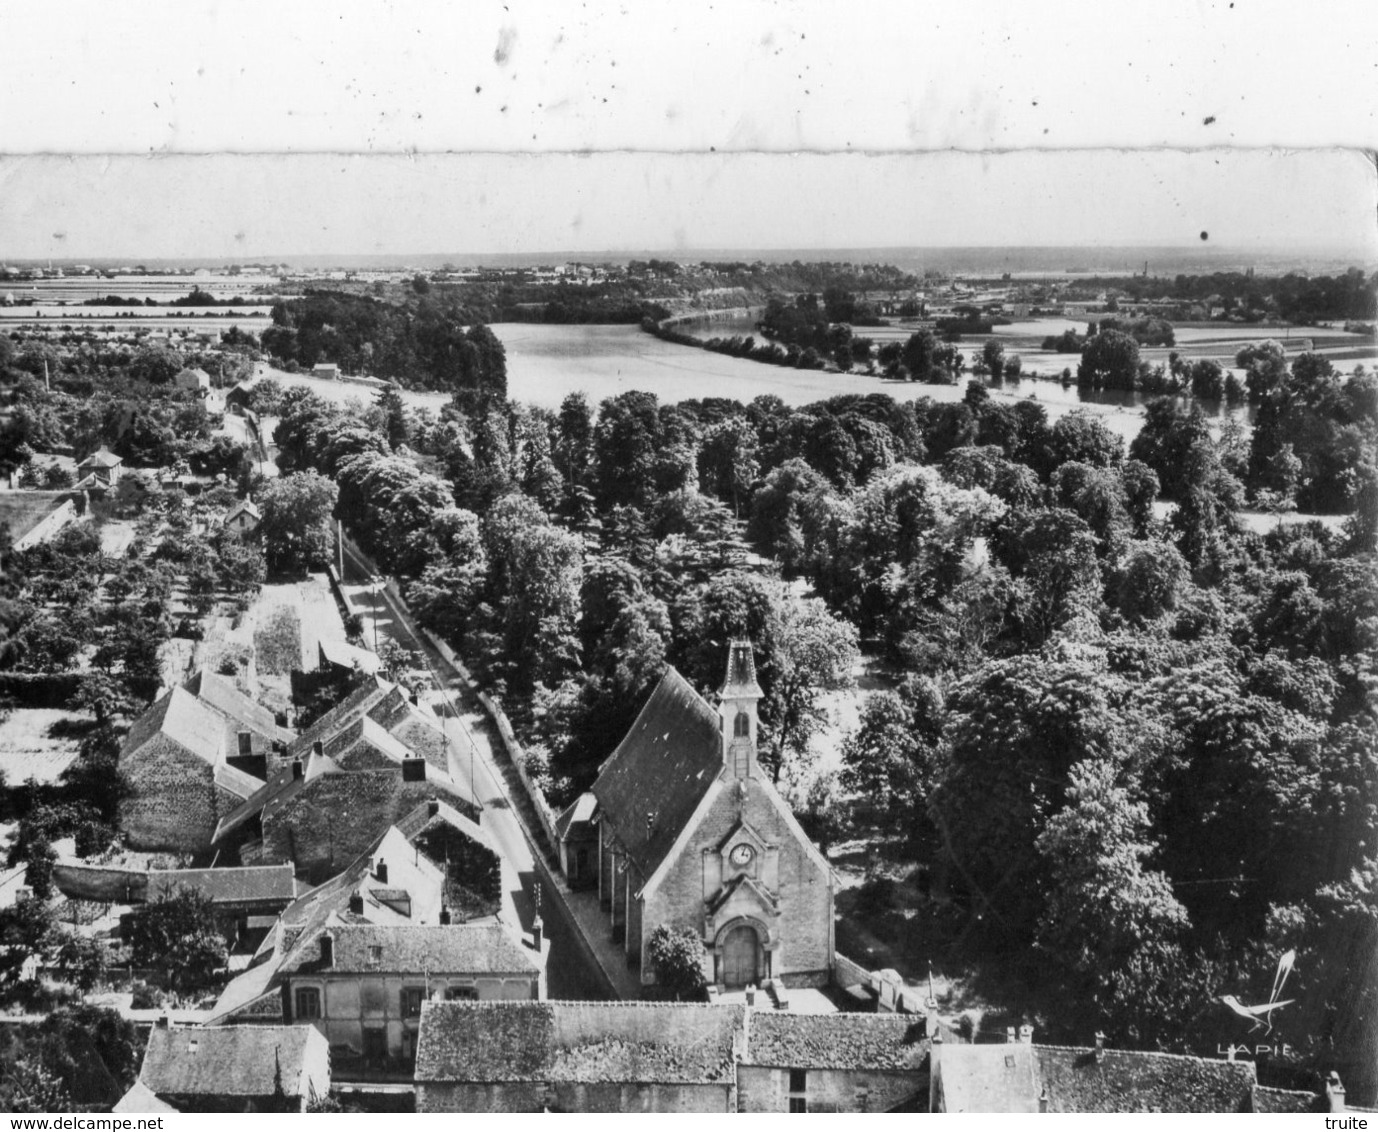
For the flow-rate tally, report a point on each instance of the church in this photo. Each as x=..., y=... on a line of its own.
x=692, y=834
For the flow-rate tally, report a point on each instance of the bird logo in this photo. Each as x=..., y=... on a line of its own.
x=1262, y=1016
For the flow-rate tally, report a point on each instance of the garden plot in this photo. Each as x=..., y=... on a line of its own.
x=39, y=743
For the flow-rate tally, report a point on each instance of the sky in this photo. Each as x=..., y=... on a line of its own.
x=280, y=206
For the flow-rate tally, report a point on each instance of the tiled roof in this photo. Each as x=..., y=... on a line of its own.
x=103, y=458
x=987, y=1078
x=1285, y=1100
x=238, y=782
x=413, y=949
x=344, y=746
x=1079, y=1080
x=574, y=1042
x=578, y=812
x=366, y=692
x=1017, y=1077
x=140, y=1098
x=235, y=1061
x=348, y=656
x=244, y=507
x=24, y=510
x=835, y=1041
x=186, y=720
x=221, y=694
x=660, y=771
x=229, y=886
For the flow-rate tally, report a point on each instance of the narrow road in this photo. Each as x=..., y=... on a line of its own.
x=474, y=762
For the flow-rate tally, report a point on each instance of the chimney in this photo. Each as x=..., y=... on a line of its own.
x=380, y=871
x=445, y=917
x=1026, y=1034
x=165, y=1020
x=413, y=770
x=1100, y=1044
x=327, y=950
x=317, y=749
x=356, y=903
x=1334, y=1093
x=1009, y=1034
x=298, y=770
x=537, y=933
x=433, y=808
x=1043, y=1099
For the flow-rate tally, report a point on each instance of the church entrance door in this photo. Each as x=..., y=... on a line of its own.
x=741, y=952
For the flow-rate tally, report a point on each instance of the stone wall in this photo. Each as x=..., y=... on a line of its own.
x=766, y=1089
x=173, y=806
x=805, y=888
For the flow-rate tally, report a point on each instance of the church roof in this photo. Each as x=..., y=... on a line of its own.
x=660, y=771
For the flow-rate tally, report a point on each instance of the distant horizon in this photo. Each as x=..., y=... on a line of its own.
x=1207, y=254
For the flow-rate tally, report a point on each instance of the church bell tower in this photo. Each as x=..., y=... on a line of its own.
x=737, y=705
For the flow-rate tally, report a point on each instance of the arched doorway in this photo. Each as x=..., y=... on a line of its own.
x=741, y=956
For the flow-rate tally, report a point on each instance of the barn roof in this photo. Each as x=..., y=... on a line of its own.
x=836, y=1041
x=236, y=1061
x=579, y=1042
x=186, y=720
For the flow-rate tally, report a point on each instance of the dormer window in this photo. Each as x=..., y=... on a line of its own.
x=375, y=955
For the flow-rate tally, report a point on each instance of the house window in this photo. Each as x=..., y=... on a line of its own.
x=798, y=1104
x=412, y=998
x=798, y=1086
x=461, y=994
x=742, y=760
x=308, y=1002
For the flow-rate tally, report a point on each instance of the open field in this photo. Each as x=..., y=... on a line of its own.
x=29, y=748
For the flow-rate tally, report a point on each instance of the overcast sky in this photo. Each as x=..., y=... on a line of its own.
x=281, y=206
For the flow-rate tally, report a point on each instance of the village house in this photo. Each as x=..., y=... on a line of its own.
x=328, y=370
x=195, y=755
x=245, y=900
x=100, y=469
x=342, y=783
x=177, y=760
x=833, y=1063
x=578, y=1057
x=692, y=834
x=230, y=1069
x=243, y=518
x=427, y=912
x=191, y=380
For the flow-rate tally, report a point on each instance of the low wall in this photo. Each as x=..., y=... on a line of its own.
x=846, y=973
x=105, y=883
x=503, y=726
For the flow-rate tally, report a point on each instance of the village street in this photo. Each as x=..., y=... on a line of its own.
x=473, y=763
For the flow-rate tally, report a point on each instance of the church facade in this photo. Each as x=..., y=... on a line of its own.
x=692, y=834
